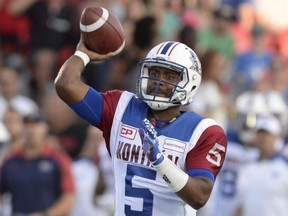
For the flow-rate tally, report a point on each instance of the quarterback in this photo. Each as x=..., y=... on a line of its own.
x=163, y=159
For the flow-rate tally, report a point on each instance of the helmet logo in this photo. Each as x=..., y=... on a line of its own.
x=195, y=64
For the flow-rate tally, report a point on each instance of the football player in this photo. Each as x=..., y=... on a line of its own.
x=162, y=158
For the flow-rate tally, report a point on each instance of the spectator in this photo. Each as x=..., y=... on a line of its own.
x=187, y=35
x=277, y=77
x=252, y=66
x=10, y=94
x=44, y=64
x=168, y=18
x=14, y=31
x=243, y=11
x=218, y=36
x=38, y=177
x=53, y=23
x=14, y=124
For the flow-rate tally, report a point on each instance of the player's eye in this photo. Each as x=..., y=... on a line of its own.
x=154, y=73
x=172, y=77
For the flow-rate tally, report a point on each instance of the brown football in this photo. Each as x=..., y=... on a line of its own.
x=101, y=31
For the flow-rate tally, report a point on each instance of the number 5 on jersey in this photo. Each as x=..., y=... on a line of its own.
x=214, y=156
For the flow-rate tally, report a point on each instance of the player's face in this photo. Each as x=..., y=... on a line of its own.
x=162, y=81
x=265, y=142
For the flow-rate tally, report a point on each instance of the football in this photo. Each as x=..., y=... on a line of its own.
x=101, y=31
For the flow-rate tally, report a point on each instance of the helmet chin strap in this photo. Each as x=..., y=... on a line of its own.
x=156, y=105
x=159, y=105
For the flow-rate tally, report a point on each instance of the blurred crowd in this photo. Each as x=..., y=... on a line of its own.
x=243, y=48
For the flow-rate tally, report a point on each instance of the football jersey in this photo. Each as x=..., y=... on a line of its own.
x=191, y=142
x=264, y=188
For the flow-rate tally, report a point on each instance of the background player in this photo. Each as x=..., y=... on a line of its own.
x=241, y=151
x=263, y=185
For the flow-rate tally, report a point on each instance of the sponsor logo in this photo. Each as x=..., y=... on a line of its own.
x=128, y=132
x=174, y=145
x=45, y=166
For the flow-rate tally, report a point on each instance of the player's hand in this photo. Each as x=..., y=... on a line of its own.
x=92, y=55
x=150, y=143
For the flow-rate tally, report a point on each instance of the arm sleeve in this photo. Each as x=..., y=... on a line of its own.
x=90, y=107
x=208, y=155
x=99, y=110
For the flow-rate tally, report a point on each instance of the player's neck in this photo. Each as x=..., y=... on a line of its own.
x=165, y=115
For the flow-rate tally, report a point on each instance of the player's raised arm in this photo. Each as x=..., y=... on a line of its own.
x=68, y=82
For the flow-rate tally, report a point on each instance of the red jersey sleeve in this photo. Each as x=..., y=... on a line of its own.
x=209, y=152
x=110, y=101
x=67, y=179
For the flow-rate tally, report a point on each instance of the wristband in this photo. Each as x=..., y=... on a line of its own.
x=173, y=175
x=85, y=58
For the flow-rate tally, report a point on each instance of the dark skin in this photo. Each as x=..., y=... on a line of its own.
x=72, y=89
x=158, y=73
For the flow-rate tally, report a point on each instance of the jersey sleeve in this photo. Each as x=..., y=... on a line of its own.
x=110, y=102
x=209, y=151
x=67, y=179
x=3, y=181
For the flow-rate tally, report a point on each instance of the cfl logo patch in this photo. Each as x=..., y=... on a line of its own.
x=128, y=132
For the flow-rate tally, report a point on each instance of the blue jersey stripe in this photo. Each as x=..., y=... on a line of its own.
x=166, y=47
x=201, y=172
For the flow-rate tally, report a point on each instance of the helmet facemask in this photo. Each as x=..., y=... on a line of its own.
x=178, y=94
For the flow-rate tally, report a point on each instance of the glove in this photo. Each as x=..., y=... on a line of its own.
x=150, y=143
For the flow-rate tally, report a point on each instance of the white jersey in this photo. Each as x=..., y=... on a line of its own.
x=195, y=144
x=264, y=188
x=139, y=189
